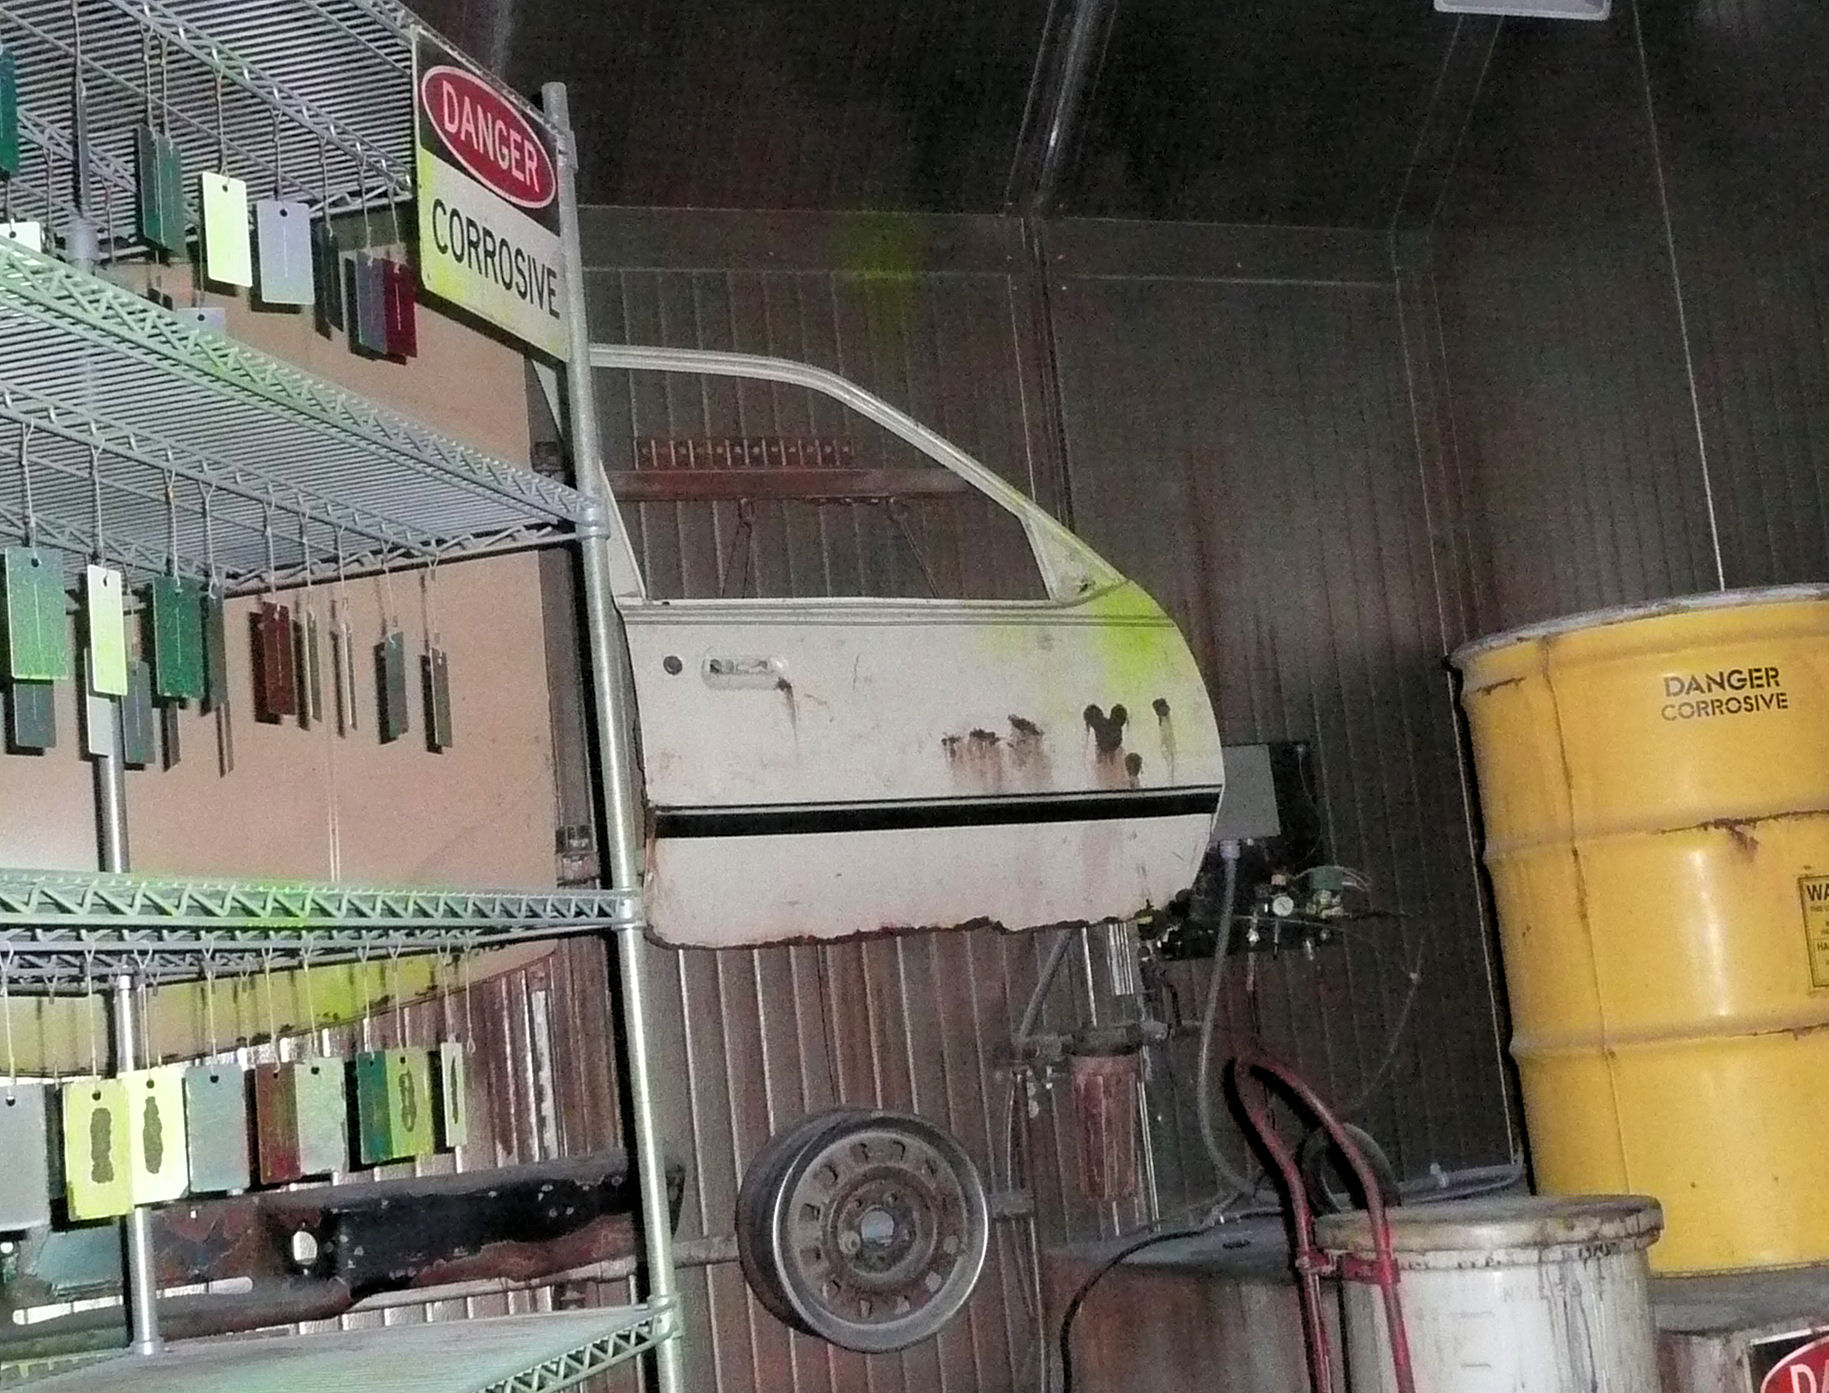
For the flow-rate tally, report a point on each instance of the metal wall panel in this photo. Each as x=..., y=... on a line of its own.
x=813, y=104
x=1741, y=106
x=1581, y=482
x=1240, y=440
x=933, y=314
x=1270, y=393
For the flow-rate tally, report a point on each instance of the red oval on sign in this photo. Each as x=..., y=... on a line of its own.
x=490, y=138
x=1804, y=1370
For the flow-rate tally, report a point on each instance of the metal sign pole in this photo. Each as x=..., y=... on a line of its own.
x=613, y=695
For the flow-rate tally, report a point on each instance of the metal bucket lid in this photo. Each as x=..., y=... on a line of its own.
x=1646, y=609
x=1501, y=1222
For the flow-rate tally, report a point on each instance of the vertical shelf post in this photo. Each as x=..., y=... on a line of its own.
x=111, y=835
x=613, y=699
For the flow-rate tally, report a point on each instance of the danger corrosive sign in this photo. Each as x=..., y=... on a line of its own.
x=488, y=201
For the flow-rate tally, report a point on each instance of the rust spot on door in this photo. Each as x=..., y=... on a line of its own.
x=1108, y=744
x=1165, y=732
x=1107, y=731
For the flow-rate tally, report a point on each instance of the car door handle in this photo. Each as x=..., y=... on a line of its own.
x=744, y=673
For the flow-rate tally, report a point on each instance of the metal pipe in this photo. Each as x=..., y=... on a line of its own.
x=613, y=696
x=111, y=838
x=142, y=1277
x=1083, y=32
x=1032, y=1012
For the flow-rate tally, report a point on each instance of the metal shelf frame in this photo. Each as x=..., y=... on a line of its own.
x=133, y=435
x=314, y=96
x=504, y=1354
x=282, y=479
x=72, y=930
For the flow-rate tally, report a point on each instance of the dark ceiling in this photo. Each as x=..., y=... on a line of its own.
x=1275, y=111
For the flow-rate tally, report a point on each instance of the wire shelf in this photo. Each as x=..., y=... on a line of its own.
x=279, y=474
x=315, y=99
x=68, y=928
x=508, y=1354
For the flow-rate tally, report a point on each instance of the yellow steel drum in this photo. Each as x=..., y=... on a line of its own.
x=1655, y=787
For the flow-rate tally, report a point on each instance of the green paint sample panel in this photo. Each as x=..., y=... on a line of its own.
x=159, y=166
x=178, y=661
x=97, y=1183
x=9, y=115
x=216, y=1127
x=31, y=717
x=37, y=637
x=374, y=1123
x=394, y=1105
x=158, y=1162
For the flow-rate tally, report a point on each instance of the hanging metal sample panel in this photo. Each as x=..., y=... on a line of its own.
x=343, y=665
x=31, y=717
x=216, y=1127
x=310, y=667
x=326, y=276
x=97, y=1183
x=390, y=686
x=394, y=1105
x=158, y=1164
x=228, y=257
x=164, y=218
x=374, y=1120
x=435, y=672
x=276, y=1124
x=177, y=639
x=410, y=1103
x=9, y=114
x=282, y=252
x=275, y=662
x=453, y=1096
x=105, y=628
x=37, y=637
x=215, y=652
x=368, y=303
x=139, y=722
x=399, y=293
x=25, y=1156
x=319, y=1092
x=216, y=676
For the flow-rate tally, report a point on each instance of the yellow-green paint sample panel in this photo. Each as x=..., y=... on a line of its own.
x=105, y=626
x=158, y=1165
x=97, y=1177
x=228, y=253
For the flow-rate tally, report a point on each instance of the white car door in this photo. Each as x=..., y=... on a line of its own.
x=819, y=768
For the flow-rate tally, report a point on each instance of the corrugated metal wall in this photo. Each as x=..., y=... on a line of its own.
x=934, y=315
x=1628, y=280
x=1240, y=440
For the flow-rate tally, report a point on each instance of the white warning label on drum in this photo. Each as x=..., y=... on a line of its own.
x=1813, y=890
